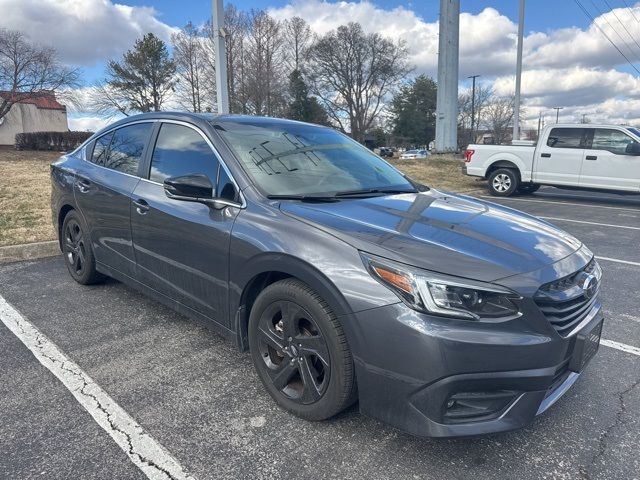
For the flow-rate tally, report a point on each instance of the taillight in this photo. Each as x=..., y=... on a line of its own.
x=468, y=154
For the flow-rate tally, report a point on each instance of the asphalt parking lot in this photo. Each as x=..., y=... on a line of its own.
x=194, y=394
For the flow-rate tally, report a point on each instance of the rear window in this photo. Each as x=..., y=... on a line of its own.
x=566, y=138
x=121, y=150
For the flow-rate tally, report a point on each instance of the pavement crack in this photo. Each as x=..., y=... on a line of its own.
x=603, y=439
x=42, y=344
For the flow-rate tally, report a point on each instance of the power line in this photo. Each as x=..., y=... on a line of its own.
x=586, y=12
x=603, y=15
x=621, y=23
x=630, y=10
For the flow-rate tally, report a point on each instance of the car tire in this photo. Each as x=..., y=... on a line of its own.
x=77, y=250
x=529, y=188
x=300, y=351
x=503, y=182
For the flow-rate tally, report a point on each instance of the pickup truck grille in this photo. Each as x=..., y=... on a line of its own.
x=564, y=302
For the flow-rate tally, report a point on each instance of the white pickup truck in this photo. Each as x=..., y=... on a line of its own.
x=585, y=156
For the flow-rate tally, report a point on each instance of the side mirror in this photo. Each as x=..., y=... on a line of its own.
x=633, y=148
x=196, y=187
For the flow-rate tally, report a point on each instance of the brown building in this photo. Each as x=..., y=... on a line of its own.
x=40, y=113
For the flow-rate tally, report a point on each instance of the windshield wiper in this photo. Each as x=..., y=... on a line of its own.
x=374, y=191
x=305, y=198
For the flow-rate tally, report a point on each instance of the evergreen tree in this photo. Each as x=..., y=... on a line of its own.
x=302, y=106
x=413, y=111
x=144, y=76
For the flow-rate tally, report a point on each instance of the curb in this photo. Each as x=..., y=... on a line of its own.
x=29, y=251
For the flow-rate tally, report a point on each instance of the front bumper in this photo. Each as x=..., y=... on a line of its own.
x=439, y=377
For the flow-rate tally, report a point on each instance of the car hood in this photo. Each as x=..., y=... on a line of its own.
x=442, y=232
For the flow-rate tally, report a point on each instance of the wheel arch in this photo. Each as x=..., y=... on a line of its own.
x=268, y=269
x=502, y=164
x=62, y=213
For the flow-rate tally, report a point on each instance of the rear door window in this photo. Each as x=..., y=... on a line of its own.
x=566, y=138
x=122, y=149
x=101, y=149
x=127, y=146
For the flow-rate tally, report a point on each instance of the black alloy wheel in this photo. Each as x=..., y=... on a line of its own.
x=77, y=251
x=294, y=352
x=300, y=351
x=74, y=248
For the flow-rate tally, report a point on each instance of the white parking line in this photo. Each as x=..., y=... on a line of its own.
x=146, y=453
x=589, y=223
x=626, y=262
x=635, y=210
x=620, y=346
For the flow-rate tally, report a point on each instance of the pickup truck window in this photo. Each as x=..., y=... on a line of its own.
x=566, y=138
x=611, y=140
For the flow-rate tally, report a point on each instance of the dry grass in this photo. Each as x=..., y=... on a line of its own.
x=25, y=190
x=25, y=196
x=438, y=171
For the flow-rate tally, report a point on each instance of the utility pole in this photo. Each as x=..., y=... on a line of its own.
x=219, y=33
x=447, y=96
x=584, y=117
x=557, y=109
x=516, y=113
x=539, y=123
x=473, y=105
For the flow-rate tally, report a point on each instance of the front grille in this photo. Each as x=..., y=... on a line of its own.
x=564, y=303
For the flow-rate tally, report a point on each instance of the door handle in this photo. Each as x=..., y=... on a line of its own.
x=142, y=206
x=591, y=157
x=83, y=185
x=545, y=155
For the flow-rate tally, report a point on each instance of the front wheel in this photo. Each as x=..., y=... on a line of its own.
x=503, y=182
x=300, y=351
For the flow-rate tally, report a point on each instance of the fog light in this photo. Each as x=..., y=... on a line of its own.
x=476, y=406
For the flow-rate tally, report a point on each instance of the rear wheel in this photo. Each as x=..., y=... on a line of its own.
x=528, y=188
x=300, y=351
x=77, y=251
x=503, y=182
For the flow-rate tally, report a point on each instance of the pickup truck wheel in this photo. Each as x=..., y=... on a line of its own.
x=528, y=188
x=503, y=182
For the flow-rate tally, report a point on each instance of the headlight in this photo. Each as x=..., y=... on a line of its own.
x=442, y=294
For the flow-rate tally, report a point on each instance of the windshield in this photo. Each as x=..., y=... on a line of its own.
x=634, y=130
x=286, y=158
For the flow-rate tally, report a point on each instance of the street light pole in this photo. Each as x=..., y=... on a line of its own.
x=516, y=113
x=219, y=34
x=557, y=109
x=473, y=105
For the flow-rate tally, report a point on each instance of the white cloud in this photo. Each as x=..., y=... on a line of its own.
x=84, y=32
x=87, y=122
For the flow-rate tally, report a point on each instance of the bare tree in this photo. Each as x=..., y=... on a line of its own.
x=265, y=80
x=194, y=70
x=28, y=70
x=298, y=38
x=483, y=95
x=353, y=72
x=498, y=117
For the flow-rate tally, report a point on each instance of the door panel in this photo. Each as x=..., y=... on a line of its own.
x=607, y=165
x=559, y=161
x=103, y=188
x=182, y=247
